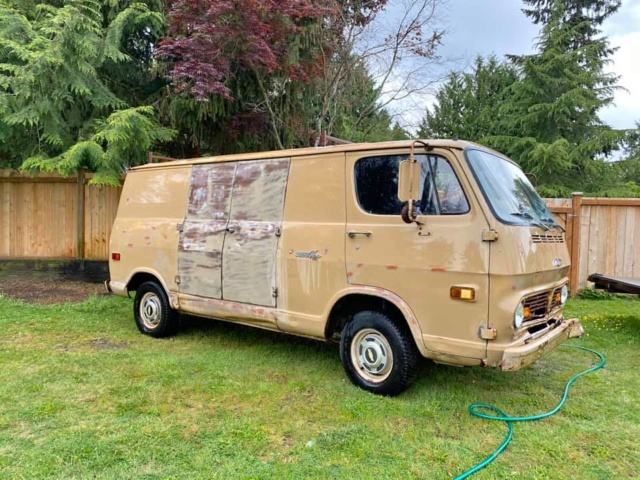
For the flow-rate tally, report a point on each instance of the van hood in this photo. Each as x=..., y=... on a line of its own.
x=538, y=254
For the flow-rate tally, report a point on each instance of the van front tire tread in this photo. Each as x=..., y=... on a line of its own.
x=381, y=332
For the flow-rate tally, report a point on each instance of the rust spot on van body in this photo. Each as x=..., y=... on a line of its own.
x=255, y=218
x=396, y=300
x=210, y=192
x=227, y=310
x=392, y=267
x=204, y=229
x=236, y=207
x=256, y=191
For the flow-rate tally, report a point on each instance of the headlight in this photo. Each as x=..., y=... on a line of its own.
x=564, y=294
x=518, y=316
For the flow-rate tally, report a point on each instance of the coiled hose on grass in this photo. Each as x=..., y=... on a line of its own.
x=475, y=410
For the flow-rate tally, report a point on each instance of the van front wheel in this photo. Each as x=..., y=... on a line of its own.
x=377, y=354
x=152, y=311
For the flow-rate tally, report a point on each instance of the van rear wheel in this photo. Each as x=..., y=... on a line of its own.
x=152, y=311
x=377, y=354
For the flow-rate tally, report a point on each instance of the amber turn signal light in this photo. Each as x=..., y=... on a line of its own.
x=463, y=293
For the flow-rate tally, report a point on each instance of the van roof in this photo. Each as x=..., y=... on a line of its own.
x=299, y=152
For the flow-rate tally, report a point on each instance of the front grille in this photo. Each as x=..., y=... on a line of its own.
x=555, y=299
x=538, y=305
x=547, y=238
x=542, y=303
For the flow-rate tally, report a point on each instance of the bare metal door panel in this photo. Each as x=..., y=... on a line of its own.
x=204, y=228
x=251, y=243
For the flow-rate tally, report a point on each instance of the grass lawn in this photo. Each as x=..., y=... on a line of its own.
x=84, y=395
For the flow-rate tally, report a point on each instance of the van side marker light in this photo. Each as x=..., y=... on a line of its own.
x=463, y=293
x=115, y=256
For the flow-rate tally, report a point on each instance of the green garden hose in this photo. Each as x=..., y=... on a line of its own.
x=498, y=414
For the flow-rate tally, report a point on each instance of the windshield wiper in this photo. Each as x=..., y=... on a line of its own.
x=553, y=224
x=533, y=219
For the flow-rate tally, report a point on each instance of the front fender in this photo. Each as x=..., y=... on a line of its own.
x=391, y=297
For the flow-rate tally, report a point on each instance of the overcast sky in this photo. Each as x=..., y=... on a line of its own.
x=499, y=26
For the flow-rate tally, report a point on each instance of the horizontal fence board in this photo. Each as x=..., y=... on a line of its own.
x=557, y=209
x=33, y=180
x=612, y=202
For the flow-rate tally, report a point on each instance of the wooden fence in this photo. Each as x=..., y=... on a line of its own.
x=603, y=236
x=53, y=217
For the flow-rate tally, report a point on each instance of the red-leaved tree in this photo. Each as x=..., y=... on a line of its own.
x=294, y=66
x=209, y=40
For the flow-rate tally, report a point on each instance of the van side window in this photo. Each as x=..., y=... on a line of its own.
x=451, y=199
x=376, y=180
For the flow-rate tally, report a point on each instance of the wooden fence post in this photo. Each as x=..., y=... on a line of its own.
x=80, y=204
x=576, y=203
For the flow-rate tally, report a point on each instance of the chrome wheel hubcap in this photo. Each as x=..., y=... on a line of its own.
x=150, y=310
x=372, y=355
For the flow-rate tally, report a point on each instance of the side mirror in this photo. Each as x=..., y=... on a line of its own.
x=408, y=180
x=408, y=188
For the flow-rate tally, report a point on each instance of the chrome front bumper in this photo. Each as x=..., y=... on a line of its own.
x=515, y=358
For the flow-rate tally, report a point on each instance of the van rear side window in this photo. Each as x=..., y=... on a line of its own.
x=376, y=181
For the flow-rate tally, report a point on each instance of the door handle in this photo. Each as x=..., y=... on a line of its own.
x=353, y=233
x=231, y=229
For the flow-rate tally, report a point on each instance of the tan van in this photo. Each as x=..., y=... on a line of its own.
x=440, y=249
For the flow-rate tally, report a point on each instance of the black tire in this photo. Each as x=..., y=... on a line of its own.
x=377, y=354
x=152, y=311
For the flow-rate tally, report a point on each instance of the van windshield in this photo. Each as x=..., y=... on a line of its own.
x=508, y=191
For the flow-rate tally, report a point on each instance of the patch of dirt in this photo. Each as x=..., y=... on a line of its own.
x=49, y=292
x=97, y=344
x=105, y=344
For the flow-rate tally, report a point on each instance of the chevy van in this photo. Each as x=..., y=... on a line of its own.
x=397, y=250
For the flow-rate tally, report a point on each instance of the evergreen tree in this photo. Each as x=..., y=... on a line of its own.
x=62, y=106
x=632, y=144
x=550, y=124
x=468, y=104
x=542, y=109
x=586, y=15
x=354, y=115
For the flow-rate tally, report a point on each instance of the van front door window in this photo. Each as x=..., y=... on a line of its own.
x=377, y=186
